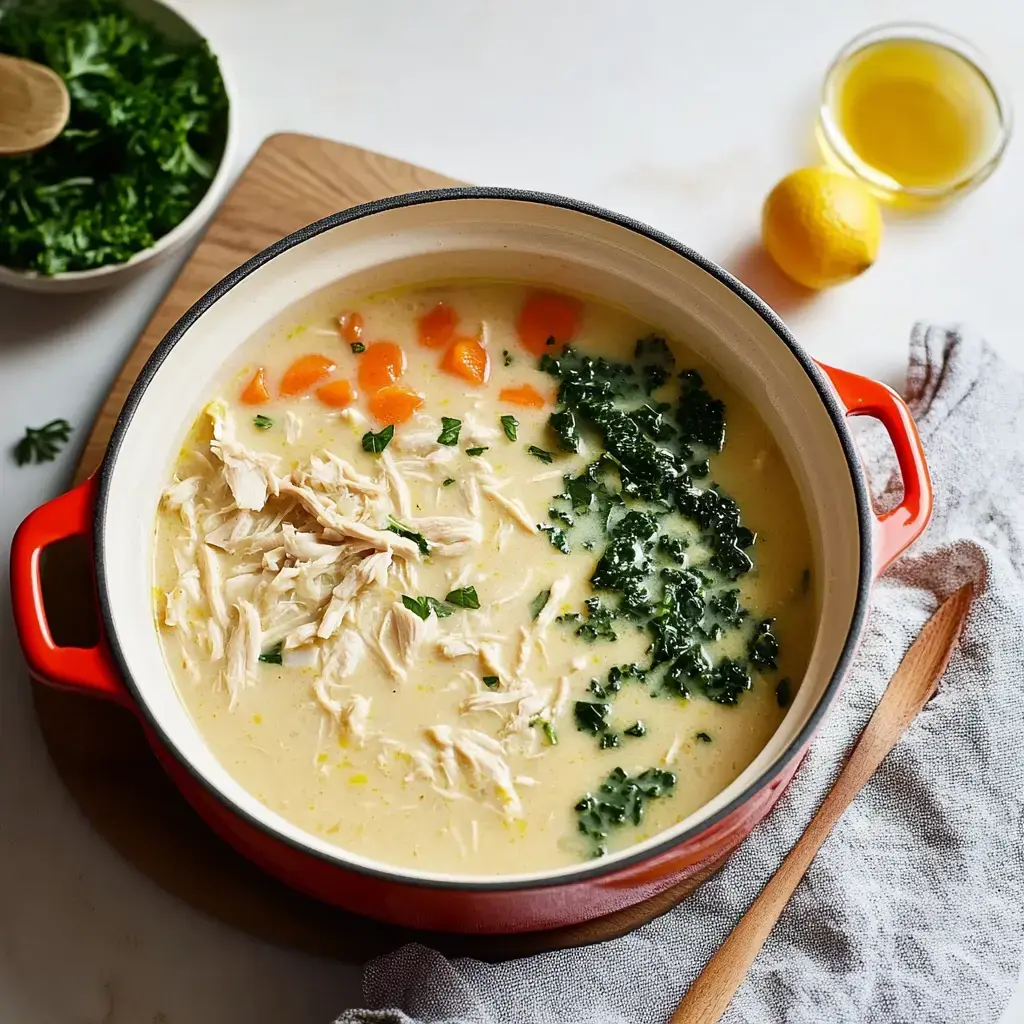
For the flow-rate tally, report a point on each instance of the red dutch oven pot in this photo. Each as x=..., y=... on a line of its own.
x=499, y=234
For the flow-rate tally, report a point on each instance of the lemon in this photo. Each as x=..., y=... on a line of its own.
x=821, y=227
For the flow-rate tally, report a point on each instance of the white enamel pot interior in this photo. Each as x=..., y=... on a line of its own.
x=484, y=233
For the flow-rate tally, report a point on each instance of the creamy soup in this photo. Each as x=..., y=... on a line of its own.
x=480, y=578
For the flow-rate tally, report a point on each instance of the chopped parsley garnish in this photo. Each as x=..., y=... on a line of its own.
x=538, y=603
x=636, y=729
x=358, y=348
x=550, y=734
x=506, y=357
x=376, y=443
x=448, y=481
x=540, y=453
x=703, y=737
x=511, y=427
x=491, y=682
x=423, y=606
x=397, y=526
x=477, y=451
x=609, y=739
x=262, y=422
x=41, y=444
x=464, y=597
x=418, y=606
x=273, y=655
x=619, y=802
x=450, y=429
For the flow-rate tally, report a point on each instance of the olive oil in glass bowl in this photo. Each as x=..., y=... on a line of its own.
x=914, y=113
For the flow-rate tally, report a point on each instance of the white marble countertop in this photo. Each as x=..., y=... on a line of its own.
x=680, y=114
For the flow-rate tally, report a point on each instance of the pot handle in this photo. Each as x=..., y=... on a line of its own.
x=898, y=528
x=87, y=670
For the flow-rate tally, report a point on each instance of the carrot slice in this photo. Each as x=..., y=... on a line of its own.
x=304, y=373
x=437, y=327
x=525, y=395
x=546, y=317
x=468, y=359
x=255, y=392
x=381, y=364
x=337, y=394
x=395, y=403
x=350, y=326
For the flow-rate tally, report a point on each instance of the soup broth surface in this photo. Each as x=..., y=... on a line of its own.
x=546, y=616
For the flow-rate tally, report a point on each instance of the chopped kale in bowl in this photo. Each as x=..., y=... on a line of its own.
x=145, y=137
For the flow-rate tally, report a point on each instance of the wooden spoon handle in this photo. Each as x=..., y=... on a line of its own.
x=907, y=693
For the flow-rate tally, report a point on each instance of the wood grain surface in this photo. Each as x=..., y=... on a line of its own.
x=99, y=750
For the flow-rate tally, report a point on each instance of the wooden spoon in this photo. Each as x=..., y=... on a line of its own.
x=907, y=693
x=34, y=106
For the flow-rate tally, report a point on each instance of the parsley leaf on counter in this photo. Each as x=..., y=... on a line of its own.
x=41, y=444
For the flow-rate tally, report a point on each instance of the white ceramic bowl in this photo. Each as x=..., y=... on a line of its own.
x=176, y=27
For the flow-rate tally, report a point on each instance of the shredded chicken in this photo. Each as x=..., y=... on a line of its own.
x=213, y=585
x=470, y=491
x=250, y=476
x=672, y=753
x=306, y=546
x=351, y=717
x=477, y=760
x=371, y=571
x=406, y=634
x=449, y=534
x=344, y=657
x=243, y=651
x=399, y=488
x=512, y=507
x=302, y=559
x=328, y=472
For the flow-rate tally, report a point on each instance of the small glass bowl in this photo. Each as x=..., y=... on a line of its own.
x=840, y=154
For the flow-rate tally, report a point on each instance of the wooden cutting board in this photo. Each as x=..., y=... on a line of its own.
x=98, y=749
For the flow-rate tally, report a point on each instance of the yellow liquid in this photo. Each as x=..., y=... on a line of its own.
x=917, y=112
